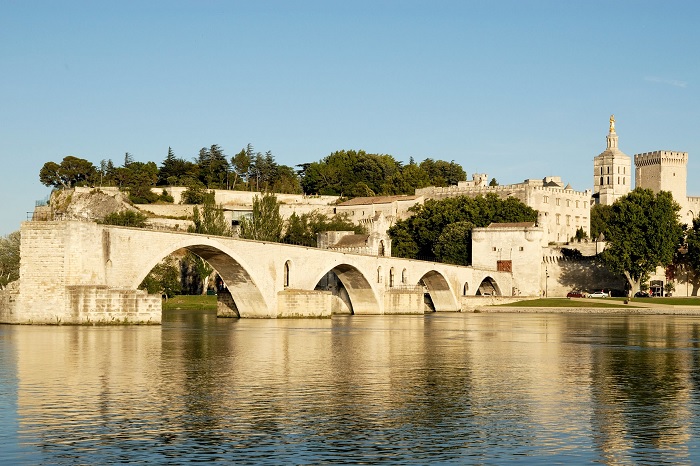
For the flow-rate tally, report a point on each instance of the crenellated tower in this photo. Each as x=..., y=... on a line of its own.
x=663, y=170
x=612, y=171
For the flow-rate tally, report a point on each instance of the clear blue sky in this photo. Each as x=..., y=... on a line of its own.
x=516, y=89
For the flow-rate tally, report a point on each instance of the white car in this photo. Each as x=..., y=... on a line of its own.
x=598, y=294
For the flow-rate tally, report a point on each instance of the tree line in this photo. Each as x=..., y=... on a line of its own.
x=346, y=173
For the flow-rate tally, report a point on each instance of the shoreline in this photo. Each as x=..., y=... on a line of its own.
x=654, y=310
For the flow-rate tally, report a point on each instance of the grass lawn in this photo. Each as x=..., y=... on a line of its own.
x=191, y=303
x=570, y=303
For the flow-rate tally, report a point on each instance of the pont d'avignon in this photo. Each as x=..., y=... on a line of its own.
x=98, y=254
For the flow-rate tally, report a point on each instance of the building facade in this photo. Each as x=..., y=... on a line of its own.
x=612, y=171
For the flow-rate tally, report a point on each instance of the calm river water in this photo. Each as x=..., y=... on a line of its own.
x=444, y=388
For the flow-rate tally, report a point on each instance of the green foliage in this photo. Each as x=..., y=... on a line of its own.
x=125, y=218
x=165, y=197
x=194, y=194
x=177, y=171
x=443, y=173
x=266, y=223
x=453, y=246
x=417, y=236
x=302, y=229
x=580, y=234
x=210, y=220
x=600, y=217
x=493, y=182
x=357, y=173
x=163, y=279
x=9, y=258
x=642, y=232
x=72, y=171
x=213, y=167
x=689, y=258
x=240, y=164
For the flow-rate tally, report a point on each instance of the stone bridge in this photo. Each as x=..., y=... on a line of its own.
x=82, y=272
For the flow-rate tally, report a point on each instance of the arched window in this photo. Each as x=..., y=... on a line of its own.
x=379, y=274
x=465, y=289
x=381, y=248
x=391, y=277
x=287, y=266
x=404, y=277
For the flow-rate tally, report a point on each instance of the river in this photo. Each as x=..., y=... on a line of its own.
x=441, y=388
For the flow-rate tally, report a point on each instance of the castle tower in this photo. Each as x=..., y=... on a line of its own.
x=612, y=171
x=663, y=170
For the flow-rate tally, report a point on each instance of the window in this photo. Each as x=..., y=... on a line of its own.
x=391, y=277
x=404, y=277
x=577, y=204
x=493, y=249
x=522, y=248
x=568, y=203
x=558, y=201
x=558, y=215
x=379, y=274
x=546, y=200
x=286, y=273
x=568, y=220
x=465, y=288
x=601, y=181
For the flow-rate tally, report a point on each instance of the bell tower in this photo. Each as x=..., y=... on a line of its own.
x=612, y=171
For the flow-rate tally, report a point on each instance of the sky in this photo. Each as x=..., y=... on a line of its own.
x=516, y=89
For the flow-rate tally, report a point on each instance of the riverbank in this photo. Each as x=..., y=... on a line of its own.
x=660, y=306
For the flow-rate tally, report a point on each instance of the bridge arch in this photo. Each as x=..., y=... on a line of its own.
x=440, y=292
x=488, y=287
x=363, y=298
x=249, y=300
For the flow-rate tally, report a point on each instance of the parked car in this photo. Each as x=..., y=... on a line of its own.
x=598, y=294
x=576, y=294
x=642, y=294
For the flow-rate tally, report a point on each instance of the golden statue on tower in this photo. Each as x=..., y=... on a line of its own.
x=612, y=123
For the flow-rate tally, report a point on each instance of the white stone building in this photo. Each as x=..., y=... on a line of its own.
x=612, y=171
x=561, y=209
x=511, y=247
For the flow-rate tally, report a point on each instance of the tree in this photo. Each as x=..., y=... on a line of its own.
x=302, y=229
x=266, y=223
x=210, y=220
x=240, y=164
x=9, y=258
x=417, y=236
x=163, y=279
x=688, y=258
x=125, y=218
x=128, y=159
x=643, y=232
x=72, y=171
x=600, y=217
x=493, y=182
x=453, y=246
x=443, y=173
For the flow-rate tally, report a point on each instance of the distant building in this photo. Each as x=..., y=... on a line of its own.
x=375, y=242
x=561, y=210
x=511, y=247
x=612, y=171
x=393, y=208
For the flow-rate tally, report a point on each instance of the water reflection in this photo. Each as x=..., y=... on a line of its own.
x=408, y=389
